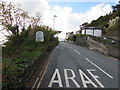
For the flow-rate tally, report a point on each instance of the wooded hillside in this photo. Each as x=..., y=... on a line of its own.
x=110, y=23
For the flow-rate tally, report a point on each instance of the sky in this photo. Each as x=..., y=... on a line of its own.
x=70, y=13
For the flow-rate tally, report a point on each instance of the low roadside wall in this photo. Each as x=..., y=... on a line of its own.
x=95, y=45
x=108, y=49
x=82, y=41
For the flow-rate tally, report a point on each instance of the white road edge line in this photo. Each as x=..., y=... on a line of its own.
x=76, y=51
x=99, y=68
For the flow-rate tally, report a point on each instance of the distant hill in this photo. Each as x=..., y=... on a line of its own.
x=110, y=23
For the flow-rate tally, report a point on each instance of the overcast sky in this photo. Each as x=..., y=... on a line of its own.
x=70, y=13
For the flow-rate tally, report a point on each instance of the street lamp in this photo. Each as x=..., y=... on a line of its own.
x=54, y=21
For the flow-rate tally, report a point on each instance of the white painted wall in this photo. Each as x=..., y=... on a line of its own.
x=89, y=31
x=97, y=32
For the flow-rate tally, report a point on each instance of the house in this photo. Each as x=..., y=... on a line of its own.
x=69, y=34
x=91, y=31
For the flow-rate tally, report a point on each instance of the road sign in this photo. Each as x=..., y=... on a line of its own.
x=39, y=36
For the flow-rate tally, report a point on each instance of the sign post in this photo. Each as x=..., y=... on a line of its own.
x=39, y=35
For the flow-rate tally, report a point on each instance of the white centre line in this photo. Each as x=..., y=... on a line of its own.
x=99, y=68
x=76, y=51
x=69, y=46
x=57, y=47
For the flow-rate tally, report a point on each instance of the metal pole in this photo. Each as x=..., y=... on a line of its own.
x=54, y=21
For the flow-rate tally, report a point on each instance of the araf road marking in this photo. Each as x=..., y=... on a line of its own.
x=76, y=51
x=85, y=82
x=59, y=81
x=99, y=68
x=85, y=79
x=70, y=78
x=95, y=77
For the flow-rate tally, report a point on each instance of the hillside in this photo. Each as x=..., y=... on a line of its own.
x=110, y=23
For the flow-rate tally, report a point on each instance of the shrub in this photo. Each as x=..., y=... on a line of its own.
x=21, y=52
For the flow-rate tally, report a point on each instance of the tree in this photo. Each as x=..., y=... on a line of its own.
x=36, y=21
x=116, y=7
x=25, y=17
x=13, y=18
x=10, y=17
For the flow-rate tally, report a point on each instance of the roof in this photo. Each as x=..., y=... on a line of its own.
x=92, y=28
x=95, y=28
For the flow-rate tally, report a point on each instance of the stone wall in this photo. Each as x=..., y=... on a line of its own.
x=97, y=46
x=114, y=51
x=82, y=41
x=108, y=49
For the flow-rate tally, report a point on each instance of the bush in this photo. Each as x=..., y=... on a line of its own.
x=9, y=72
x=114, y=30
x=21, y=52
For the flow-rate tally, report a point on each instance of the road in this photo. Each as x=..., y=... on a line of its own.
x=72, y=66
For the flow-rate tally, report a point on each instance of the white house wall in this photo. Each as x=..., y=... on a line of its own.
x=97, y=32
x=83, y=31
x=89, y=31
